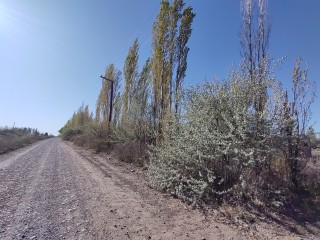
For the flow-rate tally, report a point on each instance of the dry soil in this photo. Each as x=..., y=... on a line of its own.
x=54, y=190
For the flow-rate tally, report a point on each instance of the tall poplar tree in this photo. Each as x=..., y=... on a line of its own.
x=141, y=105
x=175, y=15
x=171, y=32
x=160, y=47
x=182, y=51
x=131, y=77
x=255, y=44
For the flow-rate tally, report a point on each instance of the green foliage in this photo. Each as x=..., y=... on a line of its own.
x=136, y=118
x=182, y=51
x=131, y=78
x=68, y=133
x=137, y=125
x=171, y=33
x=78, y=124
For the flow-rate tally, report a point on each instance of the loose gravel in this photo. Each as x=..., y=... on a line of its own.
x=54, y=190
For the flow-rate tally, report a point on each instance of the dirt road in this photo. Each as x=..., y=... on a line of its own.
x=53, y=190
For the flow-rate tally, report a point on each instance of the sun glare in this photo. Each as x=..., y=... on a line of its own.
x=7, y=20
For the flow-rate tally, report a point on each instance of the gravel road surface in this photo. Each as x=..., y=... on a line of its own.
x=54, y=190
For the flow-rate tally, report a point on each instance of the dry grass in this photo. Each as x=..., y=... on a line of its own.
x=90, y=141
x=128, y=151
x=131, y=152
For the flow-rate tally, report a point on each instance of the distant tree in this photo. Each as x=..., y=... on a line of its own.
x=83, y=116
x=312, y=136
x=36, y=132
x=80, y=119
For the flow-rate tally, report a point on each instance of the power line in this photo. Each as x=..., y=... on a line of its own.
x=140, y=27
x=91, y=91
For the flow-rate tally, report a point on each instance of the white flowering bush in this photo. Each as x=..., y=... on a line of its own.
x=223, y=146
x=211, y=148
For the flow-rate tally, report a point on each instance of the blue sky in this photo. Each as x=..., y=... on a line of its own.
x=53, y=52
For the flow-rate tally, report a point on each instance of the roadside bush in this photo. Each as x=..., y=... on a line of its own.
x=98, y=145
x=222, y=149
x=206, y=156
x=131, y=152
x=69, y=133
x=90, y=141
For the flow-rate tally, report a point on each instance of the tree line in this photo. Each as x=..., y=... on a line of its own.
x=152, y=97
x=242, y=138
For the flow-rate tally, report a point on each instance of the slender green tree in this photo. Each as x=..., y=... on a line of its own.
x=78, y=123
x=131, y=77
x=160, y=48
x=141, y=105
x=296, y=119
x=182, y=51
x=117, y=109
x=171, y=32
x=175, y=15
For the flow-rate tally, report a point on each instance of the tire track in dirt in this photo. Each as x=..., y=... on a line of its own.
x=19, y=223
x=129, y=209
x=14, y=176
x=42, y=199
x=7, y=159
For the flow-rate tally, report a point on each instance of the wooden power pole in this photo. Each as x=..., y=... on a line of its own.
x=111, y=97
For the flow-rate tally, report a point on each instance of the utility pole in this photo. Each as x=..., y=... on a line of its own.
x=111, y=97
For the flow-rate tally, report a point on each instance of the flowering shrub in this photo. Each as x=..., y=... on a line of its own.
x=222, y=147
